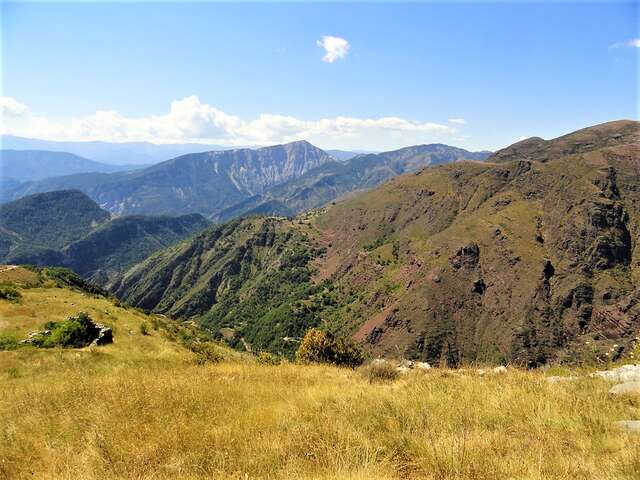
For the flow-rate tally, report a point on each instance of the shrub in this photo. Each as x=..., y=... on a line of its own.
x=380, y=371
x=321, y=347
x=266, y=358
x=144, y=328
x=76, y=331
x=8, y=341
x=11, y=293
x=205, y=353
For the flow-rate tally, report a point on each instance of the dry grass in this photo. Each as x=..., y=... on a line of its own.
x=73, y=419
x=141, y=408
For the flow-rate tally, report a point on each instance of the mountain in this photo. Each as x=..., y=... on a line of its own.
x=66, y=228
x=30, y=165
x=125, y=153
x=332, y=180
x=202, y=182
x=344, y=155
x=529, y=257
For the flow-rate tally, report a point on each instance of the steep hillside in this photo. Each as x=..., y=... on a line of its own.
x=67, y=228
x=196, y=183
x=514, y=261
x=30, y=165
x=251, y=278
x=335, y=179
x=520, y=260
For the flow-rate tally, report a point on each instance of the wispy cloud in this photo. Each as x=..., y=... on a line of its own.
x=336, y=48
x=458, y=121
x=189, y=119
x=12, y=107
x=633, y=43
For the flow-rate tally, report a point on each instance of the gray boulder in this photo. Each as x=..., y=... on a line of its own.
x=626, y=373
x=628, y=388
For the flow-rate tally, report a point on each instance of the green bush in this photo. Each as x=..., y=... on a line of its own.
x=11, y=293
x=8, y=341
x=321, y=347
x=76, y=331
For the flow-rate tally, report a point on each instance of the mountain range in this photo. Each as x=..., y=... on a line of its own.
x=31, y=165
x=111, y=153
x=66, y=228
x=284, y=179
x=332, y=180
x=528, y=257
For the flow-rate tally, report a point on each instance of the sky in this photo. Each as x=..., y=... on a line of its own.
x=366, y=76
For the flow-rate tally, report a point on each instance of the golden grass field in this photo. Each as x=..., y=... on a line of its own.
x=142, y=409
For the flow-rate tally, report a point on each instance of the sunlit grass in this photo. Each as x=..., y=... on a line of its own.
x=84, y=419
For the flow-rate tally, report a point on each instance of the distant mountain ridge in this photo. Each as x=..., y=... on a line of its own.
x=332, y=180
x=112, y=153
x=199, y=182
x=282, y=179
x=30, y=165
x=66, y=228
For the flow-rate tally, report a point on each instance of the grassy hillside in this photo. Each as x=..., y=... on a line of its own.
x=145, y=407
x=515, y=261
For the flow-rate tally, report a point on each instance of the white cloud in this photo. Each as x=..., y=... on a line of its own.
x=11, y=107
x=633, y=43
x=190, y=120
x=458, y=121
x=336, y=48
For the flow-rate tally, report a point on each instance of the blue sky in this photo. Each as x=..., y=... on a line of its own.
x=254, y=73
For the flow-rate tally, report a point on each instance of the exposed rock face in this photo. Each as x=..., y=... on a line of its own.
x=103, y=335
x=548, y=267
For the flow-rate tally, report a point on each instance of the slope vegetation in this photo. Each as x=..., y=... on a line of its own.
x=515, y=260
x=250, y=278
